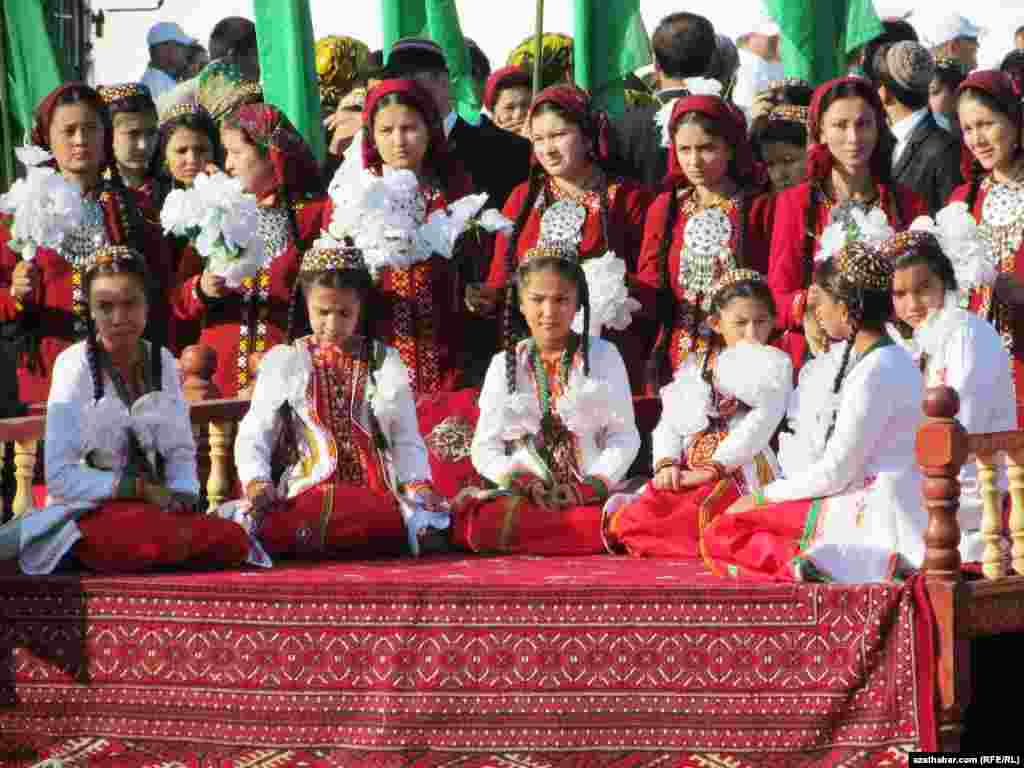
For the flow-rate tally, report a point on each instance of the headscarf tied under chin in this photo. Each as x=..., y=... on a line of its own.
x=819, y=157
x=43, y=118
x=733, y=127
x=437, y=160
x=593, y=123
x=295, y=169
x=1001, y=87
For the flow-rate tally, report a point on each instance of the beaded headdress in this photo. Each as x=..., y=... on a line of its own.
x=789, y=113
x=328, y=255
x=864, y=266
x=903, y=242
x=182, y=110
x=787, y=82
x=114, y=93
x=111, y=254
x=734, y=276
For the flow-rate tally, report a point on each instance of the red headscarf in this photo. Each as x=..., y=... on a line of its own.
x=593, y=123
x=295, y=168
x=733, y=126
x=819, y=158
x=506, y=77
x=1003, y=89
x=437, y=160
x=43, y=117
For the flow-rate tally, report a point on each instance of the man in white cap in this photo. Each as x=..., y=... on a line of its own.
x=949, y=36
x=168, y=56
x=759, y=63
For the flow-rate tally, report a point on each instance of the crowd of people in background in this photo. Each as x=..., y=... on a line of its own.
x=793, y=264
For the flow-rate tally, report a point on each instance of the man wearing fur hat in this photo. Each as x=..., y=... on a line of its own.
x=927, y=158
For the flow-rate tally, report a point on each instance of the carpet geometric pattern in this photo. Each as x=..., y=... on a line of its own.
x=502, y=655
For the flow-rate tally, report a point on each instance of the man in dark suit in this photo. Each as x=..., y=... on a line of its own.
x=927, y=158
x=684, y=46
x=496, y=159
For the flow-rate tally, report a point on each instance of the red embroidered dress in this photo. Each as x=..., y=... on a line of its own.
x=57, y=319
x=706, y=243
x=339, y=490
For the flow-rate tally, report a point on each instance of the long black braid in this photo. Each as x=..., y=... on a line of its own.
x=838, y=383
x=666, y=297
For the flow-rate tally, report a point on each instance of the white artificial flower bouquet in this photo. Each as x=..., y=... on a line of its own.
x=966, y=244
x=222, y=221
x=871, y=228
x=44, y=206
x=610, y=303
x=386, y=218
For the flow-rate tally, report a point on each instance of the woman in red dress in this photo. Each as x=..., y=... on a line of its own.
x=710, y=220
x=189, y=144
x=275, y=164
x=570, y=145
x=849, y=166
x=42, y=304
x=993, y=162
x=423, y=314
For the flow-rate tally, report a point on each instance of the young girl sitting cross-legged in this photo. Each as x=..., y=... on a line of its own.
x=557, y=430
x=849, y=507
x=338, y=405
x=718, y=416
x=120, y=458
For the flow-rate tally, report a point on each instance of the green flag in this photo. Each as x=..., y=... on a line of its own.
x=818, y=36
x=284, y=31
x=32, y=68
x=439, y=21
x=610, y=41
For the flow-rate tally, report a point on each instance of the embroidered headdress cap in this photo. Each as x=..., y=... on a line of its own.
x=111, y=254
x=329, y=255
x=734, y=276
x=864, y=266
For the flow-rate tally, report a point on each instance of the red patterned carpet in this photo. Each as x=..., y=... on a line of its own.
x=111, y=753
x=484, y=661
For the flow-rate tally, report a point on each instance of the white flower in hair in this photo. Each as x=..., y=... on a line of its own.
x=965, y=244
x=850, y=226
x=610, y=302
x=44, y=206
x=753, y=373
x=222, y=221
x=686, y=401
x=520, y=416
x=587, y=405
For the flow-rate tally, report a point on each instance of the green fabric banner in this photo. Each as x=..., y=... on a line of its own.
x=818, y=36
x=284, y=30
x=439, y=21
x=32, y=67
x=610, y=41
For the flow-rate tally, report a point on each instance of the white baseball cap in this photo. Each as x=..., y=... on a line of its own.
x=168, y=32
x=937, y=29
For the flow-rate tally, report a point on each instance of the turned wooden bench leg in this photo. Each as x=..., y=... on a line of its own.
x=993, y=561
x=24, y=473
x=1015, y=474
x=219, y=484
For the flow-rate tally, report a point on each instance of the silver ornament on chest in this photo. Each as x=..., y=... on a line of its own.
x=1003, y=206
x=706, y=253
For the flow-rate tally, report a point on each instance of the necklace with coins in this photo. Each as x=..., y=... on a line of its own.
x=275, y=231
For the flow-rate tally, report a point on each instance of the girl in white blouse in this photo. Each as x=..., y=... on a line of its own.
x=122, y=488
x=719, y=414
x=849, y=508
x=557, y=430
x=333, y=413
x=954, y=348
